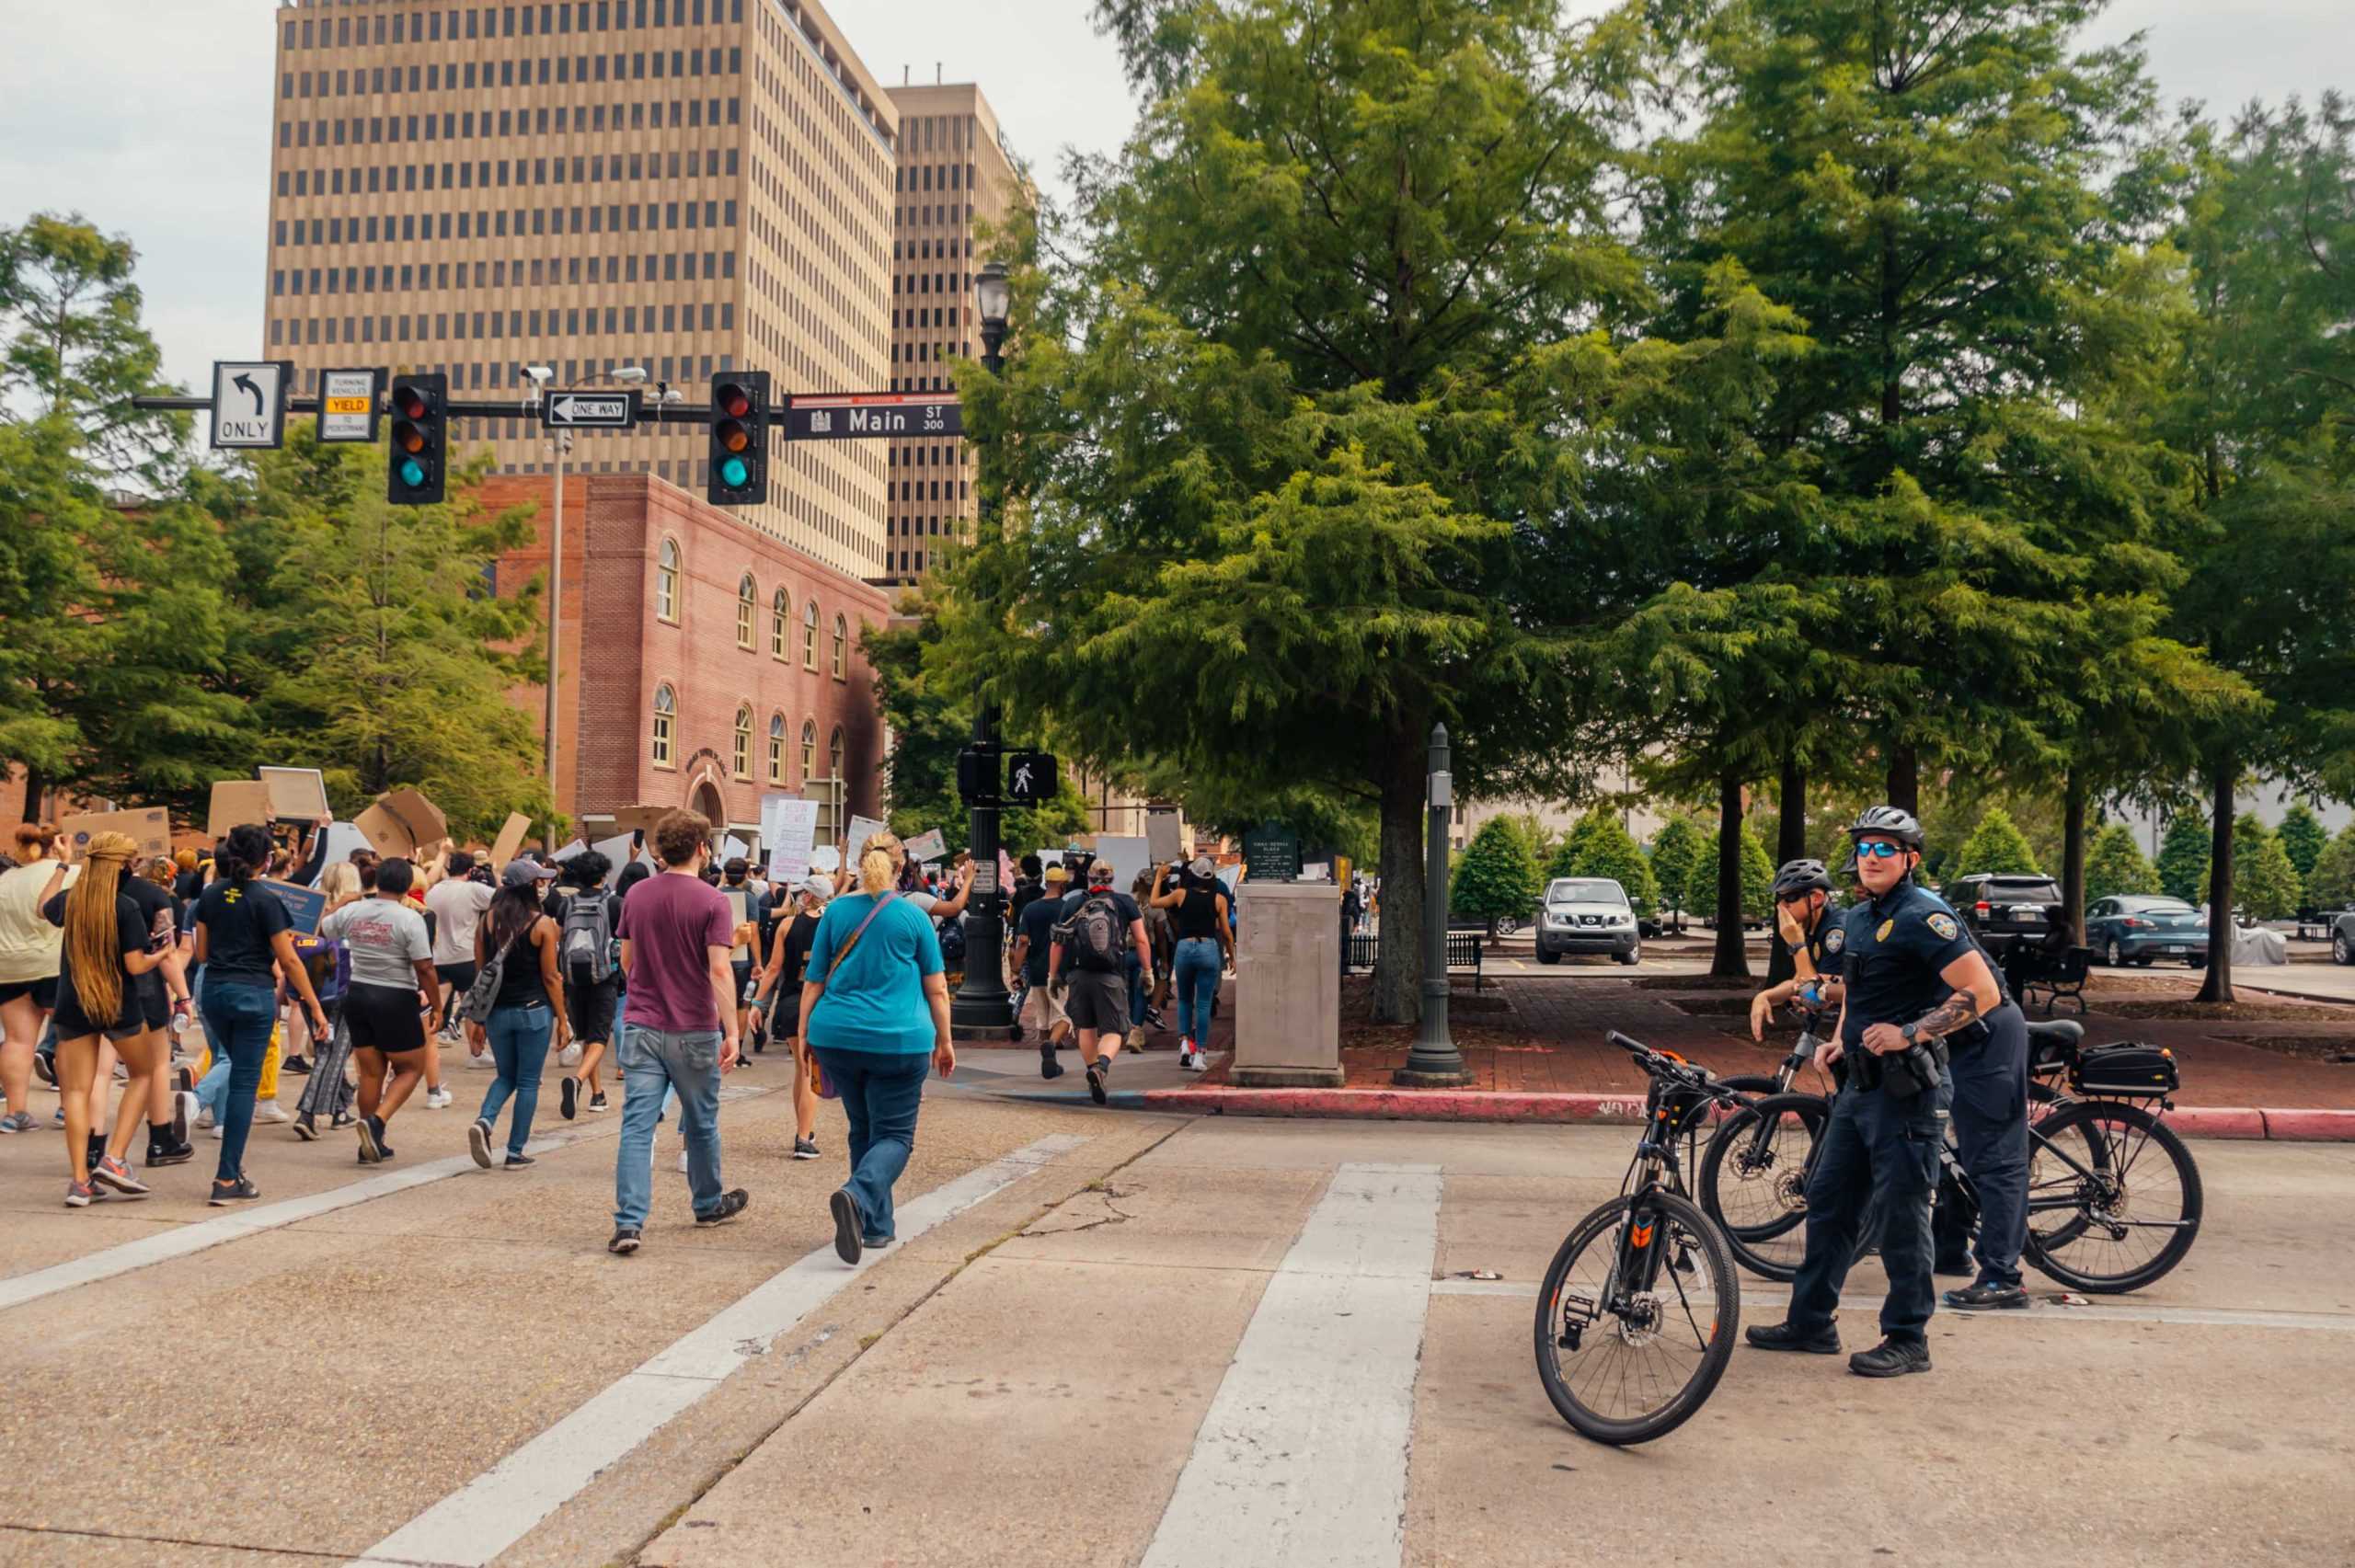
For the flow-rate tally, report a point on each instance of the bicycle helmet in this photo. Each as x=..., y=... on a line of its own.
x=1797, y=878
x=1889, y=822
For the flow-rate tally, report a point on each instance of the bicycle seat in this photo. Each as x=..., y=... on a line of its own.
x=2053, y=1046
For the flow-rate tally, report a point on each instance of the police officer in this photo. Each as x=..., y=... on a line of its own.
x=1913, y=980
x=1813, y=931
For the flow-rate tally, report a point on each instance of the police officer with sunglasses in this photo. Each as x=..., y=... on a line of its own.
x=1924, y=1025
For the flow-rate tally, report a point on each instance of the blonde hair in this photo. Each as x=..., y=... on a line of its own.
x=161, y=871
x=340, y=882
x=876, y=872
x=887, y=842
x=33, y=840
x=93, y=939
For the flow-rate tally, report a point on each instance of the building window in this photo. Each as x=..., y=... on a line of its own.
x=746, y=596
x=743, y=753
x=780, y=617
x=777, y=749
x=666, y=582
x=810, y=635
x=808, y=750
x=835, y=753
x=842, y=648
x=666, y=708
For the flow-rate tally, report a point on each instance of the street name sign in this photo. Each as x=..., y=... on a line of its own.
x=849, y=416
x=589, y=410
x=348, y=406
x=249, y=403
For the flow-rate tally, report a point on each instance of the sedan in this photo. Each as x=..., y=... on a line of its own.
x=2135, y=927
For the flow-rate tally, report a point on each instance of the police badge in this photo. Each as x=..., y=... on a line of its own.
x=1944, y=925
x=1835, y=939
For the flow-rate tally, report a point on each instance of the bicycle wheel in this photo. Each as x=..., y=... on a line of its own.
x=2113, y=1198
x=1625, y=1364
x=1752, y=1181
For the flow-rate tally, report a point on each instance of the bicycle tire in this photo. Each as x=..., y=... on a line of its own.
x=1685, y=1221
x=1744, y=1238
x=2116, y=1156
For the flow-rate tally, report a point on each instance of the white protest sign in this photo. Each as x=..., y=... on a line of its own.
x=928, y=846
x=1162, y=837
x=861, y=829
x=615, y=850
x=828, y=860
x=788, y=827
x=734, y=848
x=576, y=847
x=1128, y=855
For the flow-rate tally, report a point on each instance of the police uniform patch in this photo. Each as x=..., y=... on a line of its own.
x=1944, y=925
x=1835, y=939
x=1886, y=927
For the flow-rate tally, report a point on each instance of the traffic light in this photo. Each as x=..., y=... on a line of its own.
x=740, y=439
x=977, y=775
x=420, y=457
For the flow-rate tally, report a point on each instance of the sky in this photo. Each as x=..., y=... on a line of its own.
x=172, y=148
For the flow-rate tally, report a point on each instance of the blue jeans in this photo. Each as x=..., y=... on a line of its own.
x=653, y=1060
x=880, y=1095
x=1874, y=1145
x=519, y=1046
x=1196, y=967
x=239, y=1017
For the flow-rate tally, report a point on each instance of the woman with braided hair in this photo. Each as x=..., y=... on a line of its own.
x=107, y=947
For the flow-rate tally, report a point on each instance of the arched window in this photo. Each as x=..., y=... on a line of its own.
x=842, y=648
x=743, y=753
x=777, y=749
x=810, y=635
x=834, y=751
x=780, y=617
x=808, y=750
x=746, y=596
x=666, y=581
x=666, y=708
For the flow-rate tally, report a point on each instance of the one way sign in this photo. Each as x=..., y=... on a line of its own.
x=249, y=403
x=589, y=410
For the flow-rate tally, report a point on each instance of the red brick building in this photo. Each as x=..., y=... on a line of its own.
x=702, y=661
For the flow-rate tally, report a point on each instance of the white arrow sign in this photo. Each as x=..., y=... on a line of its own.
x=249, y=403
x=600, y=410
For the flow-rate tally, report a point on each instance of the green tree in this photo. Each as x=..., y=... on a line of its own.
x=2303, y=836
x=1598, y=845
x=1674, y=849
x=2183, y=858
x=2266, y=886
x=1995, y=844
x=2114, y=865
x=1757, y=874
x=1496, y=878
x=2332, y=885
x=74, y=346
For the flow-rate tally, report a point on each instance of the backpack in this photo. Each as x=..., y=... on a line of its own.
x=1094, y=935
x=952, y=942
x=585, y=945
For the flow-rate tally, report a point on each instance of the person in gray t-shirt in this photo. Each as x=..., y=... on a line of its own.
x=392, y=962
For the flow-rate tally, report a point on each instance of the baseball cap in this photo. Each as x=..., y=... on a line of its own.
x=1203, y=867
x=819, y=886
x=522, y=871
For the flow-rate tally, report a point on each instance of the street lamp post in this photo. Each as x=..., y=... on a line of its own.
x=981, y=1011
x=1433, y=1062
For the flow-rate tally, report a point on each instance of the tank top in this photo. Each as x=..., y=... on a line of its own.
x=1198, y=916
x=519, y=982
x=30, y=948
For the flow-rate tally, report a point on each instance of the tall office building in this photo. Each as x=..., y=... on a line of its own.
x=954, y=179
x=687, y=186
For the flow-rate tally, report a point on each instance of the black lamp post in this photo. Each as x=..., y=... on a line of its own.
x=1433, y=1062
x=981, y=1011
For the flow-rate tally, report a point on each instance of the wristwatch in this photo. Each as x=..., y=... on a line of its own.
x=1911, y=1033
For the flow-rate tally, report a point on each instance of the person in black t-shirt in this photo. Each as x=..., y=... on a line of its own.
x=589, y=1002
x=1042, y=1012
x=105, y=952
x=781, y=978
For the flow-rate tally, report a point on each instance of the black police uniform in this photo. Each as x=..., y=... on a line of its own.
x=1990, y=1075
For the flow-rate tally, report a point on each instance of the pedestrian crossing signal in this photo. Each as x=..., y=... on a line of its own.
x=1029, y=777
x=418, y=470
x=739, y=439
x=977, y=782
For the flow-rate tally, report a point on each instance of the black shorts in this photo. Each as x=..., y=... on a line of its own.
x=383, y=1018
x=155, y=999
x=43, y=992
x=588, y=1011
x=456, y=977
x=743, y=968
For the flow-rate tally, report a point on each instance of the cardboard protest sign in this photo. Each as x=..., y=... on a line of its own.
x=509, y=841
x=236, y=801
x=402, y=823
x=1162, y=839
x=1128, y=855
x=306, y=906
x=928, y=846
x=640, y=818
x=788, y=828
x=297, y=795
x=151, y=825
x=861, y=829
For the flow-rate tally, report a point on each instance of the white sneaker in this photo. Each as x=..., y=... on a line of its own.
x=204, y=1118
x=682, y=1161
x=569, y=1055
x=215, y=1131
x=438, y=1099
x=482, y=1063
x=268, y=1111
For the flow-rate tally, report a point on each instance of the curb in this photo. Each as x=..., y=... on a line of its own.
x=1624, y=1110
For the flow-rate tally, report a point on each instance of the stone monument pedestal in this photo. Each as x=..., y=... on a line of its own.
x=1287, y=986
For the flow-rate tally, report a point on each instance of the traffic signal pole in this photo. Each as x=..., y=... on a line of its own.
x=981, y=1013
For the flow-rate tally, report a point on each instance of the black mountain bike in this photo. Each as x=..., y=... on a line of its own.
x=2114, y=1197
x=1641, y=1305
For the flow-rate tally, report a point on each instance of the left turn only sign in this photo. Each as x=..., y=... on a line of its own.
x=249, y=403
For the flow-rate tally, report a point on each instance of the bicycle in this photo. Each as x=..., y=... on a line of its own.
x=1642, y=1295
x=2096, y=1194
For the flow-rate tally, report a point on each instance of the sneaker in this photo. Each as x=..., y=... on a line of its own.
x=1782, y=1336
x=732, y=1203
x=183, y=1111
x=805, y=1149
x=204, y=1119
x=268, y=1111
x=300, y=1066
x=1986, y=1295
x=848, y=1228
x=44, y=1068
x=371, y=1135
x=1136, y=1039
x=184, y=1080
x=344, y=1121
x=1195, y=1061
x=482, y=1063
x=215, y=1131
x=179, y=1153
x=1097, y=1073
x=111, y=1172
x=625, y=1241
x=306, y=1127
x=519, y=1162
x=438, y=1099
x=1049, y=1068
x=479, y=1141
x=597, y=1103
x=1891, y=1358
x=23, y=1121
x=79, y=1195
x=240, y=1191
x=568, y=1096
x=1152, y=1018
x=872, y=1243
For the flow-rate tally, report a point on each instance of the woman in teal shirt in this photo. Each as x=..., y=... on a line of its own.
x=874, y=1011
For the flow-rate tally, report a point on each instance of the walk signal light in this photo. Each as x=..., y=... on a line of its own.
x=418, y=468
x=740, y=439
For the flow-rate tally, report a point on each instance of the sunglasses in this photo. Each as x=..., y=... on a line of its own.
x=1879, y=849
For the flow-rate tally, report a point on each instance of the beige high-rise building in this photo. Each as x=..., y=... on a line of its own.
x=687, y=186
x=954, y=179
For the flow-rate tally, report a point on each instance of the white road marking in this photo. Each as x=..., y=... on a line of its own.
x=499, y=1506
x=2042, y=1313
x=1301, y=1458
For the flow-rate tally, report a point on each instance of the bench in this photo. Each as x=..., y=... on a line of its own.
x=1462, y=954
x=2315, y=925
x=2060, y=983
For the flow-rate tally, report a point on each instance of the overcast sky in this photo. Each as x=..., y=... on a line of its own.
x=152, y=117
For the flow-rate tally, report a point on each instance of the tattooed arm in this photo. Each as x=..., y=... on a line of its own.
x=1975, y=995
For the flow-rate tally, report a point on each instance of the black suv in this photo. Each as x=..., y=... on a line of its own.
x=2003, y=903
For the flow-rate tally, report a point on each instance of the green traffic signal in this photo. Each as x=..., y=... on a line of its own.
x=733, y=472
x=412, y=473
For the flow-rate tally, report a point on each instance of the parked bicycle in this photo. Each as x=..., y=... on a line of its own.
x=2114, y=1197
x=1641, y=1305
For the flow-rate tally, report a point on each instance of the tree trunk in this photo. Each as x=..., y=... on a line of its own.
x=2073, y=855
x=1399, y=960
x=2217, y=984
x=1730, y=960
x=1790, y=844
x=1905, y=780
x=35, y=784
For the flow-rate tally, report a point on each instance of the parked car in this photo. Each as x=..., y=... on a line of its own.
x=1587, y=914
x=2003, y=903
x=2136, y=928
x=2342, y=937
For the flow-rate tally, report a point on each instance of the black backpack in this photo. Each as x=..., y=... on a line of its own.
x=1094, y=936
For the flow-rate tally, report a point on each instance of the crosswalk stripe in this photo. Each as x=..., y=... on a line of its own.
x=498, y=1507
x=1301, y=1458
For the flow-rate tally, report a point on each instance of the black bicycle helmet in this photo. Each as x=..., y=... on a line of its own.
x=1889, y=822
x=1797, y=878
